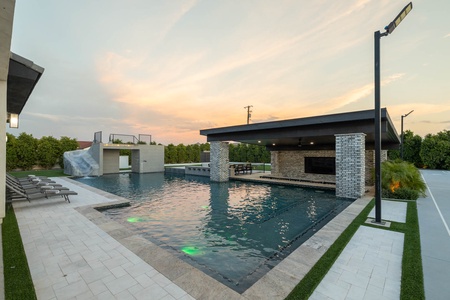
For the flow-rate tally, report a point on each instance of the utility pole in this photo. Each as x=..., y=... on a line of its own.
x=249, y=113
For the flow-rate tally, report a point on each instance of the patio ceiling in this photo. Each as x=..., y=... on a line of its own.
x=23, y=76
x=311, y=133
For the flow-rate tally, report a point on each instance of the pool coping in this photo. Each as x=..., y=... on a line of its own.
x=275, y=284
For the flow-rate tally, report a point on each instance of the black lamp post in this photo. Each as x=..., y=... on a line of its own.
x=401, y=145
x=377, y=35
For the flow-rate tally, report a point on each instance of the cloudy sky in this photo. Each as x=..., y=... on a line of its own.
x=171, y=68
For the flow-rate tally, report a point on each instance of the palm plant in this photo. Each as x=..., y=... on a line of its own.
x=401, y=180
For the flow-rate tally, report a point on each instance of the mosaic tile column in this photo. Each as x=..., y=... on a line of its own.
x=350, y=165
x=219, y=162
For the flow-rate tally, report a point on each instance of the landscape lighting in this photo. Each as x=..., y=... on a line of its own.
x=377, y=136
x=13, y=121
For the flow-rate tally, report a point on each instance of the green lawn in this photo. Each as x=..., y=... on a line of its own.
x=48, y=173
x=412, y=275
x=18, y=283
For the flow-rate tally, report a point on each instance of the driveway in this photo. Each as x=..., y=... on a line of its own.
x=434, y=222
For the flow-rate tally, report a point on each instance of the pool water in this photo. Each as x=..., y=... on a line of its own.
x=233, y=231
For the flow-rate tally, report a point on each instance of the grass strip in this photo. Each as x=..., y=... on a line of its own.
x=308, y=284
x=18, y=282
x=48, y=173
x=412, y=273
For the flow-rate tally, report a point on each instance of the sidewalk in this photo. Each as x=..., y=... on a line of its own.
x=370, y=266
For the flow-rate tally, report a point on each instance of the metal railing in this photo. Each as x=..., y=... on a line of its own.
x=116, y=138
x=97, y=137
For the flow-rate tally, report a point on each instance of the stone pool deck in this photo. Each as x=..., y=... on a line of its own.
x=74, y=252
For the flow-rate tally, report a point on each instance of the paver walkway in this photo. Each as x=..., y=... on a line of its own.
x=392, y=211
x=370, y=266
x=71, y=258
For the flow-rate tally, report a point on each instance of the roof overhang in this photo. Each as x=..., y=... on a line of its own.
x=311, y=133
x=23, y=76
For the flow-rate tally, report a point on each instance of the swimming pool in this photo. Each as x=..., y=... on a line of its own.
x=234, y=231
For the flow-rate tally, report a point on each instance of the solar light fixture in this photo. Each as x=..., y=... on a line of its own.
x=390, y=28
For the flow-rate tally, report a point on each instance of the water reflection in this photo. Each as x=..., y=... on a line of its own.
x=233, y=229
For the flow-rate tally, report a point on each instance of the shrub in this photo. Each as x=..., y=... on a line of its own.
x=48, y=149
x=401, y=193
x=401, y=180
x=11, y=152
x=25, y=147
x=66, y=144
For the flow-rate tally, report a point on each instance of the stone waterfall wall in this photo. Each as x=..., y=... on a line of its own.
x=219, y=161
x=350, y=165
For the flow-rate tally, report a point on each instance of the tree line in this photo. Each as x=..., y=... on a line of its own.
x=237, y=153
x=432, y=151
x=25, y=151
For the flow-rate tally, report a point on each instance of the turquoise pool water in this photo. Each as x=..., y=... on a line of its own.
x=234, y=231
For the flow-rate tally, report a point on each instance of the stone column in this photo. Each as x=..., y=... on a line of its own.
x=350, y=165
x=219, y=171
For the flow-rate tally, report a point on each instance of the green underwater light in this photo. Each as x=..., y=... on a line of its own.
x=191, y=250
x=205, y=206
x=136, y=219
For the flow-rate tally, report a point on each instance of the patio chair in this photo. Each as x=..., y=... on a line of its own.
x=29, y=187
x=19, y=195
x=239, y=169
x=248, y=168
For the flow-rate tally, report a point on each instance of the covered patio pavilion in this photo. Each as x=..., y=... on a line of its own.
x=337, y=148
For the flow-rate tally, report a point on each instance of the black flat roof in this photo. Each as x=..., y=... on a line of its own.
x=23, y=76
x=310, y=133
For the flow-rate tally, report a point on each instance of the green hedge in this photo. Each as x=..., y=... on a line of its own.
x=25, y=151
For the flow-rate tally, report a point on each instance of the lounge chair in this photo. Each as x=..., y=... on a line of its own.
x=20, y=195
x=29, y=187
x=38, y=190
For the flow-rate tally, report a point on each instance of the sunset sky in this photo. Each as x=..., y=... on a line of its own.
x=171, y=68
